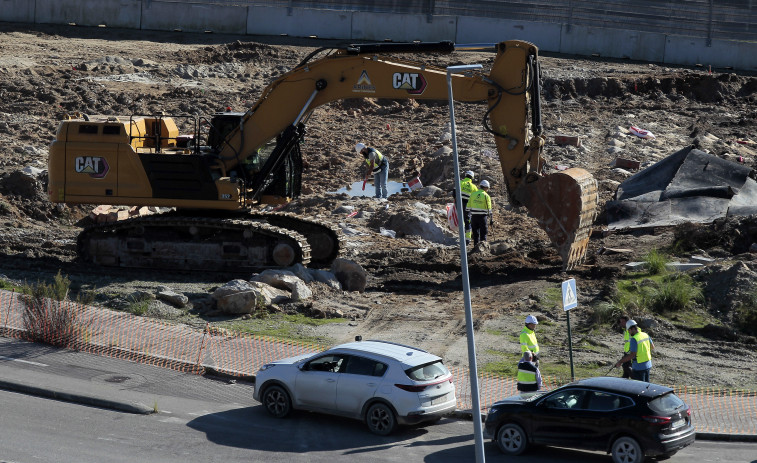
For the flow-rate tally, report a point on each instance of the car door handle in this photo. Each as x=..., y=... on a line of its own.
x=330, y=380
x=371, y=384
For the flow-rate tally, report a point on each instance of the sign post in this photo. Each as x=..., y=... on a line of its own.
x=569, y=301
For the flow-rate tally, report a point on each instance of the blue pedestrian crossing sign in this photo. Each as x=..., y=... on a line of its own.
x=569, y=297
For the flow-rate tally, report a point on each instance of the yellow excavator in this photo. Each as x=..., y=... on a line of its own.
x=216, y=175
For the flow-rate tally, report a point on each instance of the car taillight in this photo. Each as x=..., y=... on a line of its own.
x=410, y=388
x=657, y=419
x=688, y=411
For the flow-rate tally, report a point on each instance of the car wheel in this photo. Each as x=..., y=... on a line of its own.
x=627, y=450
x=511, y=439
x=380, y=419
x=277, y=402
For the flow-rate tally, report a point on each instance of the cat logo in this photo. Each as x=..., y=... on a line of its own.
x=364, y=84
x=95, y=166
x=413, y=82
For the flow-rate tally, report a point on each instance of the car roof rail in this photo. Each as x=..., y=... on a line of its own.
x=398, y=344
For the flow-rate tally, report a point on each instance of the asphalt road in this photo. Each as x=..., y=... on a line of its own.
x=44, y=430
x=202, y=419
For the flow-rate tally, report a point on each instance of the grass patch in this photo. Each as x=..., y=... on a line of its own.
x=283, y=327
x=507, y=365
x=9, y=286
x=552, y=297
x=603, y=313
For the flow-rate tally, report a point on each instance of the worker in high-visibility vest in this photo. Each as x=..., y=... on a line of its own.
x=529, y=376
x=467, y=188
x=377, y=165
x=639, y=352
x=528, y=342
x=622, y=320
x=480, y=208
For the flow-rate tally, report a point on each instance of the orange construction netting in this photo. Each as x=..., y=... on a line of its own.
x=180, y=347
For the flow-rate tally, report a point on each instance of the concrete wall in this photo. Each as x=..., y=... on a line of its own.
x=19, y=11
x=121, y=13
x=402, y=27
x=722, y=53
x=193, y=17
x=486, y=30
x=353, y=25
x=614, y=43
x=324, y=24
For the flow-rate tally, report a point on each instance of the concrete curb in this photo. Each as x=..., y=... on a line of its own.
x=128, y=407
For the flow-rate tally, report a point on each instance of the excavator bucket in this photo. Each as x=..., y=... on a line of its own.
x=565, y=204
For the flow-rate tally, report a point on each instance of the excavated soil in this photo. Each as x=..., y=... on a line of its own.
x=414, y=291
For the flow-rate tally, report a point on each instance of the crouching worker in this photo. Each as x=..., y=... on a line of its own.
x=529, y=377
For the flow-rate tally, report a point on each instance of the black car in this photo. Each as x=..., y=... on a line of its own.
x=629, y=419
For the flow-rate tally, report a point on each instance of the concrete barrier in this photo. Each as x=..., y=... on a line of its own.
x=121, y=13
x=324, y=24
x=17, y=11
x=721, y=54
x=612, y=43
x=487, y=30
x=194, y=17
x=402, y=27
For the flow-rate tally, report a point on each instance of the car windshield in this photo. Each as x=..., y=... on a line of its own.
x=427, y=372
x=667, y=403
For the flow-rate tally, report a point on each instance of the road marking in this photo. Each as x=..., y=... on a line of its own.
x=23, y=361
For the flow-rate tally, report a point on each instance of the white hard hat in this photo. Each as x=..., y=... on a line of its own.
x=532, y=319
x=629, y=324
x=470, y=174
x=359, y=147
x=484, y=184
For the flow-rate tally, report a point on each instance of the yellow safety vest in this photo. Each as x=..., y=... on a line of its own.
x=480, y=203
x=528, y=341
x=526, y=376
x=466, y=189
x=643, y=348
x=377, y=163
x=626, y=341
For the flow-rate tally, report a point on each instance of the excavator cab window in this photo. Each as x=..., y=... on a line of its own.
x=221, y=125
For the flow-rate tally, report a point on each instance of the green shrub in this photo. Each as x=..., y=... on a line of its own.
x=604, y=313
x=655, y=262
x=48, y=317
x=676, y=293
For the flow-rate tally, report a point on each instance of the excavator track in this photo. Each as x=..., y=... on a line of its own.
x=565, y=204
x=179, y=242
x=325, y=239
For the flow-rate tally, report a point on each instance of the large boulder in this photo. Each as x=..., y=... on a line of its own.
x=324, y=276
x=419, y=222
x=170, y=296
x=284, y=279
x=350, y=274
x=243, y=297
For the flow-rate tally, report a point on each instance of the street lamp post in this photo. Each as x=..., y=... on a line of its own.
x=477, y=431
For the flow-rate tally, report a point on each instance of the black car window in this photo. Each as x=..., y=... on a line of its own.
x=606, y=401
x=573, y=399
x=364, y=366
x=667, y=403
x=332, y=363
x=427, y=372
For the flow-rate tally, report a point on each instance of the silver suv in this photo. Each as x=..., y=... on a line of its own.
x=379, y=382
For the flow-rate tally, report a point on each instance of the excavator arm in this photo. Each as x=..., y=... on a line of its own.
x=564, y=203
